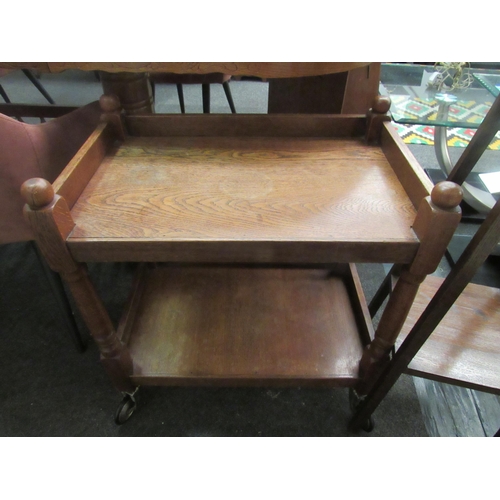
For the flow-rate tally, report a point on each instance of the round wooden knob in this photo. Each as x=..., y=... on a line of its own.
x=37, y=192
x=381, y=104
x=447, y=195
x=109, y=103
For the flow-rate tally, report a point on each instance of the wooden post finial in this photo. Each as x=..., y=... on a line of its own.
x=111, y=114
x=381, y=104
x=376, y=116
x=447, y=195
x=109, y=103
x=37, y=193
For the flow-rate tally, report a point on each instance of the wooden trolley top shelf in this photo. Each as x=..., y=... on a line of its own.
x=243, y=199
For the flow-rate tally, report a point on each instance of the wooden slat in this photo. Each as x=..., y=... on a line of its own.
x=236, y=326
x=223, y=251
x=409, y=172
x=74, y=178
x=464, y=349
x=256, y=125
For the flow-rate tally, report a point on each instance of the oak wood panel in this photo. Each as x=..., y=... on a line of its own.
x=163, y=125
x=74, y=178
x=232, y=326
x=464, y=349
x=319, y=253
x=245, y=189
x=405, y=165
x=262, y=69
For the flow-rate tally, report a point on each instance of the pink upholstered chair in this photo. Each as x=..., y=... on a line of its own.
x=40, y=150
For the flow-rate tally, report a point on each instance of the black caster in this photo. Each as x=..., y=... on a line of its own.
x=354, y=401
x=125, y=409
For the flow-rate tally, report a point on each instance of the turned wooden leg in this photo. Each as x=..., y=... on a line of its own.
x=133, y=90
x=436, y=221
x=50, y=218
x=384, y=290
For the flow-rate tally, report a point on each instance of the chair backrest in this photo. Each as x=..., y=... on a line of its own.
x=40, y=150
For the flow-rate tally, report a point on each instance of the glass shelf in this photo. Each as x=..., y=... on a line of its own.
x=416, y=101
x=490, y=81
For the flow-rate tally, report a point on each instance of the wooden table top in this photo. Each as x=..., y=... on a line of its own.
x=258, y=69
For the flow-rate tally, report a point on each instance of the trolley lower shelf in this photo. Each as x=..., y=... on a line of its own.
x=245, y=326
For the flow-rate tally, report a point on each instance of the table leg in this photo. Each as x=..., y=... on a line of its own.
x=133, y=90
x=441, y=149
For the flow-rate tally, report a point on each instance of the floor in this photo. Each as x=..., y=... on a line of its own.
x=446, y=410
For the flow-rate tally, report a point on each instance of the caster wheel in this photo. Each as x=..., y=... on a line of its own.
x=125, y=409
x=368, y=425
x=354, y=400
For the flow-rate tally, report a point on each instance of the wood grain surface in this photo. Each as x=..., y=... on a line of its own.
x=245, y=189
x=73, y=179
x=234, y=326
x=465, y=347
x=257, y=125
x=411, y=175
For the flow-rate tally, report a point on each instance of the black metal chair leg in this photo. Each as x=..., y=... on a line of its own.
x=62, y=301
x=8, y=101
x=229, y=97
x=4, y=95
x=38, y=85
x=180, y=93
x=205, y=90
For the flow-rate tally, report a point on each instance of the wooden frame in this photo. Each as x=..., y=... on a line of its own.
x=259, y=221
